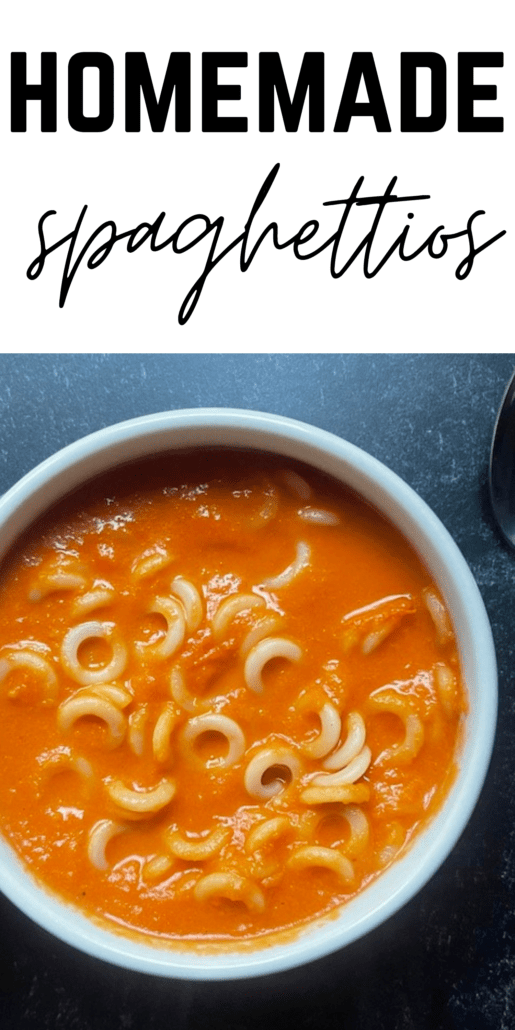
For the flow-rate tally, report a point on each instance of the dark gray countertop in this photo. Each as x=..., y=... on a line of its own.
x=448, y=959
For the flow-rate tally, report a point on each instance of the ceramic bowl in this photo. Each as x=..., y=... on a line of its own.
x=387, y=492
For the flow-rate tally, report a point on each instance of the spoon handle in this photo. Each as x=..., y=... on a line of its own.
x=502, y=465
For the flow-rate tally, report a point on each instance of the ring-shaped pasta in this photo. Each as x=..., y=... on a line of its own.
x=352, y=814
x=136, y=731
x=353, y=744
x=393, y=844
x=141, y=802
x=295, y=484
x=229, y=608
x=38, y=666
x=213, y=722
x=408, y=749
x=268, y=510
x=377, y=636
x=318, y=516
x=149, y=564
x=70, y=653
x=262, y=834
x=98, y=839
x=172, y=611
x=414, y=735
x=265, y=761
x=359, y=829
x=438, y=613
x=98, y=597
x=181, y=694
x=230, y=885
x=191, y=601
x=349, y=774
x=199, y=849
x=55, y=582
x=268, y=505
x=446, y=686
x=165, y=723
x=300, y=562
x=88, y=704
x=157, y=867
x=261, y=629
x=266, y=866
x=370, y=625
x=264, y=652
x=347, y=793
x=119, y=696
x=60, y=760
x=316, y=857
x=329, y=735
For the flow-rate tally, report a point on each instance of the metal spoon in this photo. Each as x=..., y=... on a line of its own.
x=501, y=475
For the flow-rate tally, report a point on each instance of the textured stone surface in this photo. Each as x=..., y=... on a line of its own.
x=447, y=961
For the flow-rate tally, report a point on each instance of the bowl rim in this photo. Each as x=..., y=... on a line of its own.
x=395, y=498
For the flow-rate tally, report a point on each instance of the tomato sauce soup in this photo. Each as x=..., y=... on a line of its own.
x=230, y=697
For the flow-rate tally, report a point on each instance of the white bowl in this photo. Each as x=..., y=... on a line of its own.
x=400, y=882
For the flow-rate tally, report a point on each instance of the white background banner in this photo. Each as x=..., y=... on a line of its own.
x=283, y=301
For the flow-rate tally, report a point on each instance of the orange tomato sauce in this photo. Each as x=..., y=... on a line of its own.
x=106, y=793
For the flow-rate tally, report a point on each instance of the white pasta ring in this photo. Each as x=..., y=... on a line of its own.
x=353, y=744
x=271, y=761
x=173, y=612
x=296, y=484
x=405, y=751
x=91, y=631
x=191, y=601
x=117, y=694
x=181, y=694
x=37, y=665
x=408, y=749
x=229, y=608
x=265, y=833
x=150, y=563
x=351, y=772
x=345, y=793
x=267, y=506
x=82, y=705
x=213, y=722
x=330, y=727
x=141, y=803
x=317, y=857
x=353, y=815
x=264, y=652
x=230, y=885
x=98, y=838
x=157, y=867
x=55, y=581
x=439, y=615
x=60, y=760
x=300, y=562
x=359, y=829
x=318, y=516
x=198, y=849
x=136, y=729
x=262, y=628
x=161, y=744
x=446, y=686
x=98, y=597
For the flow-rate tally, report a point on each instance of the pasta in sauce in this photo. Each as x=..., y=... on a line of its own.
x=230, y=697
